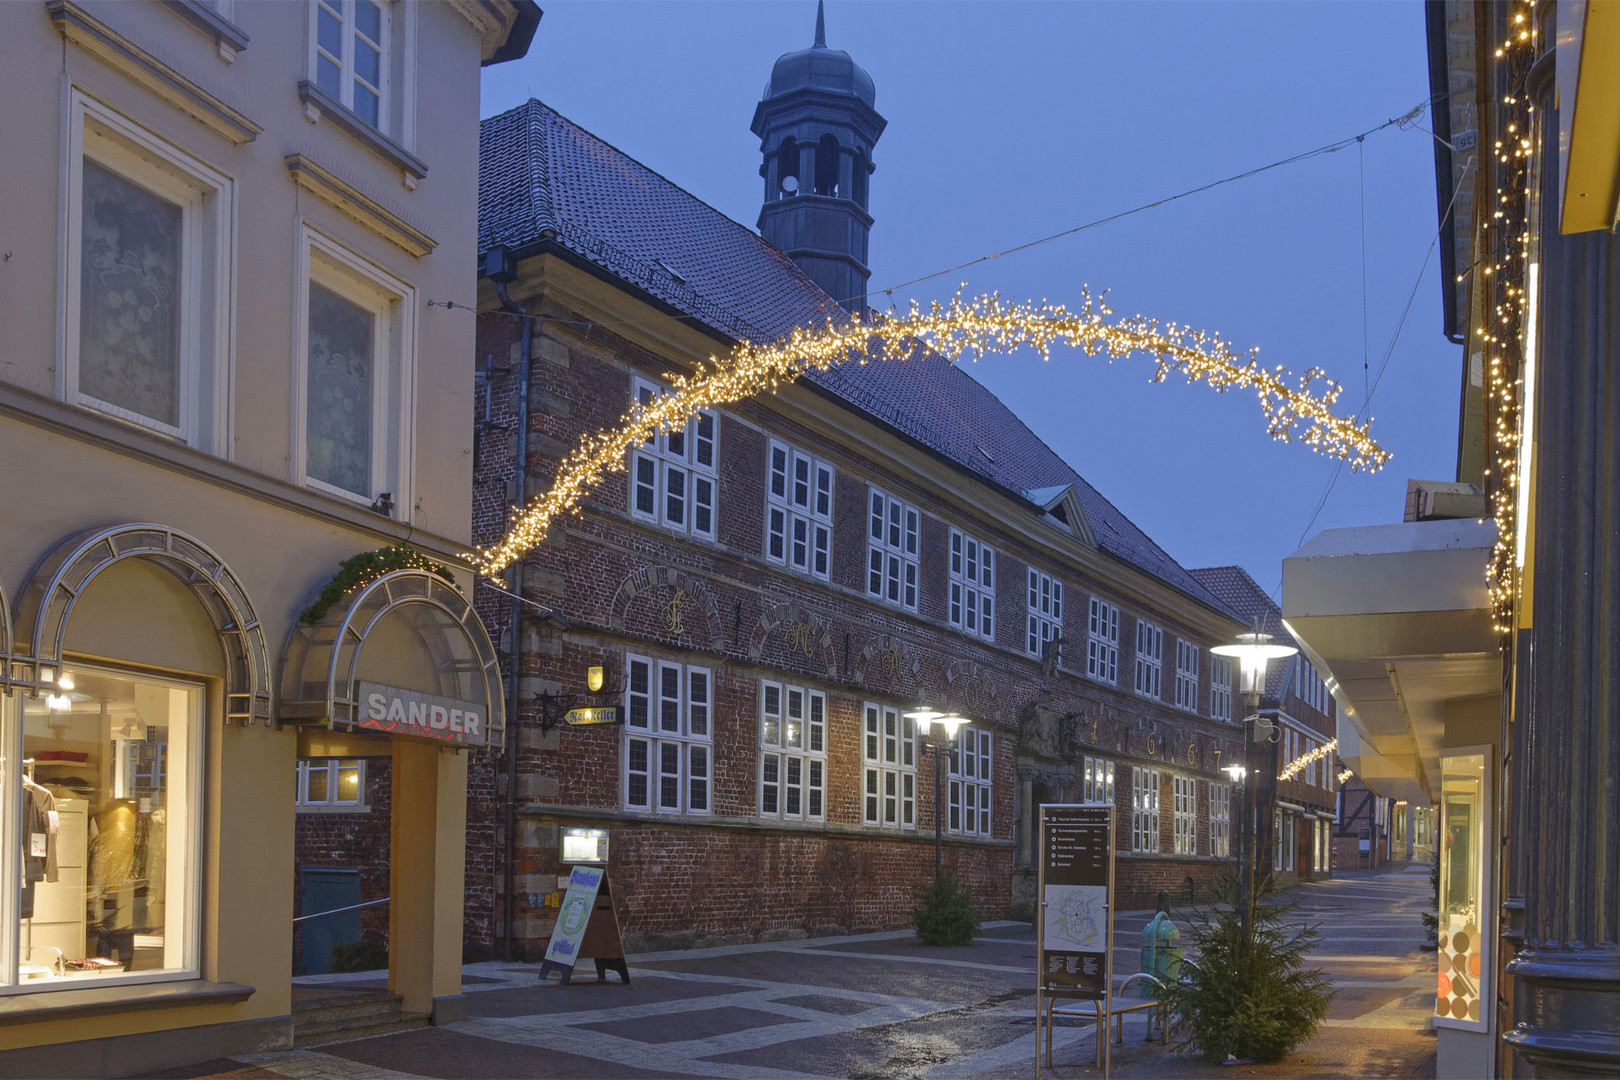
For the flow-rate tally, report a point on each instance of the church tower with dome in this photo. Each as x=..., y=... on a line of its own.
x=817, y=123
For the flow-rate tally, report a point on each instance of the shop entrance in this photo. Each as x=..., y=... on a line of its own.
x=398, y=675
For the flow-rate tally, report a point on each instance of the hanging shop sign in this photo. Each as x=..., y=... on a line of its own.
x=598, y=714
x=394, y=710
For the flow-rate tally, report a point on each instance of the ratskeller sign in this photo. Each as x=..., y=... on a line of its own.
x=397, y=711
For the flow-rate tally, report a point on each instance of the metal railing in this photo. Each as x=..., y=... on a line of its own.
x=334, y=911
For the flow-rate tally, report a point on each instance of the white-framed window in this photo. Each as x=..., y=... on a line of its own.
x=672, y=474
x=973, y=586
x=1097, y=779
x=354, y=376
x=1144, y=809
x=1149, y=658
x=970, y=785
x=1185, y=808
x=793, y=752
x=1220, y=819
x=892, y=550
x=1045, y=612
x=1187, y=674
x=332, y=784
x=350, y=56
x=107, y=807
x=668, y=737
x=798, y=510
x=1220, y=687
x=889, y=758
x=1102, y=642
x=146, y=334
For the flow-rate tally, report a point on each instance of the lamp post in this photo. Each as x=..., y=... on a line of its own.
x=1253, y=651
x=948, y=724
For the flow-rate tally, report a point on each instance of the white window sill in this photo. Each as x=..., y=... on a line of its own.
x=324, y=105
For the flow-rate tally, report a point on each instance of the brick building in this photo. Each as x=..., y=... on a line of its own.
x=778, y=583
x=1299, y=698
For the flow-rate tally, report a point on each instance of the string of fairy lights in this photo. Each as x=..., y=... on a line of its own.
x=1306, y=760
x=1505, y=273
x=1300, y=410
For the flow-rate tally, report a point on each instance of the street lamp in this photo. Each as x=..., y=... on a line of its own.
x=948, y=724
x=1253, y=652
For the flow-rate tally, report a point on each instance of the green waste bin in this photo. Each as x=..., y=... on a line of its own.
x=1160, y=956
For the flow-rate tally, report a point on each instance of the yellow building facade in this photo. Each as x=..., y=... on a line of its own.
x=221, y=376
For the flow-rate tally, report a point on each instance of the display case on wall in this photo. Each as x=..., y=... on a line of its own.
x=1466, y=930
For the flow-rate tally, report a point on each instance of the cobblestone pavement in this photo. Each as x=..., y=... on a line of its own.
x=882, y=1006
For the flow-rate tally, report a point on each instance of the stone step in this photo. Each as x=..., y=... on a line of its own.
x=346, y=1015
x=404, y=1021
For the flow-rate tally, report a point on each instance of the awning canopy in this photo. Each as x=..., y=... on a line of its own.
x=62, y=577
x=1399, y=615
x=408, y=629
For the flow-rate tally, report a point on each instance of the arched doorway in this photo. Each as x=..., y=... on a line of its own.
x=401, y=669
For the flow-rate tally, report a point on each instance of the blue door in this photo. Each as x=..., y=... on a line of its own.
x=325, y=889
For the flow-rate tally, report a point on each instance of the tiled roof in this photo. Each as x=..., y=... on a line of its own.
x=1233, y=586
x=542, y=177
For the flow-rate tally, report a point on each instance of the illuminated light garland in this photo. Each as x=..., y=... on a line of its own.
x=1301, y=763
x=973, y=328
x=1502, y=339
x=1345, y=774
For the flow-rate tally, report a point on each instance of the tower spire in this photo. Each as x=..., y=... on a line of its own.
x=821, y=25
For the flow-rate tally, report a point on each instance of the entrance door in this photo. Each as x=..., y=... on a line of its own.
x=326, y=889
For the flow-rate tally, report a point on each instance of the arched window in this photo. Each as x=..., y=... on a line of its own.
x=858, y=183
x=827, y=166
x=787, y=169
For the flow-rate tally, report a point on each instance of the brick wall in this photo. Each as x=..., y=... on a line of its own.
x=745, y=619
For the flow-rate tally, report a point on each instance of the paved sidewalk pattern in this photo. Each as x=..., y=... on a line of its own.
x=879, y=1006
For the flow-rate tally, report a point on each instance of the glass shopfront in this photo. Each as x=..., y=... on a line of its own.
x=1465, y=926
x=104, y=805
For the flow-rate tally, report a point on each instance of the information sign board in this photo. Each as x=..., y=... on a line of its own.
x=1074, y=931
x=1076, y=865
x=587, y=928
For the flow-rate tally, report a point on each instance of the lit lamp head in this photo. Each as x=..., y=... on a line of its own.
x=1236, y=772
x=950, y=724
x=1253, y=652
x=595, y=677
x=923, y=716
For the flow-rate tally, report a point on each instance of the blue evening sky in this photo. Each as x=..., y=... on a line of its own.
x=1010, y=121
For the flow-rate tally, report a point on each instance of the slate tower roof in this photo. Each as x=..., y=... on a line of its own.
x=820, y=68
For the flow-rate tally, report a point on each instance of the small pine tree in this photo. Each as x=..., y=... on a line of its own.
x=946, y=915
x=1249, y=999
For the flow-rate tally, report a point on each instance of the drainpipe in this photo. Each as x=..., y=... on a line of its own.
x=500, y=266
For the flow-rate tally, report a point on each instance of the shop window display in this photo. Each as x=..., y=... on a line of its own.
x=1464, y=953
x=108, y=791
